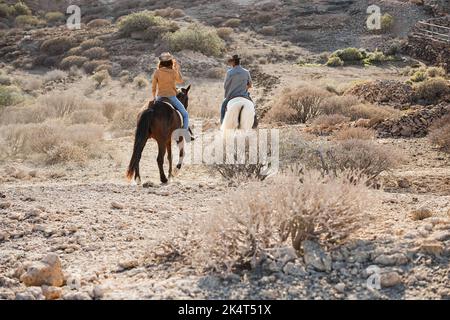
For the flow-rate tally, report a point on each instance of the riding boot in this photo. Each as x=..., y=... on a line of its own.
x=191, y=134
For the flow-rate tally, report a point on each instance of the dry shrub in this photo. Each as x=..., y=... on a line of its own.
x=338, y=104
x=298, y=105
x=355, y=133
x=54, y=16
x=51, y=142
x=330, y=120
x=177, y=13
x=433, y=89
x=31, y=84
x=125, y=119
x=364, y=157
x=433, y=72
x=90, y=66
x=101, y=78
x=141, y=82
x=440, y=133
x=232, y=23
x=58, y=45
x=326, y=124
x=110, y=107
x=225, y=32
x=60, y=105
x=98, y=23
x=215, y=73
x=268, y=30
x=71, y=61
x=91, y=43
x=421, y=214
x=96, y=53
x=260, y=218
x=55, y=75
x=24, y=21
x=375, y=114
x=88, y=116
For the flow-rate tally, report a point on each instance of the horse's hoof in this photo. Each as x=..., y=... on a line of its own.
x=164, y=180
x=178, y=166
x=138, y=181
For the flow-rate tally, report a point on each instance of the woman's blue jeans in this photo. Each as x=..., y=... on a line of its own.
x=179, y=106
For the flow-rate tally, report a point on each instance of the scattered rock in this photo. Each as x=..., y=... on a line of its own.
x=76, y=296
x=340, y=287
x=441, y=235
x=285, y=255
x=432, y=247
x=51, y=293
x=390, y=279
x=403, y=183
x=116, y=205
x=391, y=260
x=46, y=272
x=5, y=205
x=4, y=236
x=128, y=264
x=315, y=257
x=412, y=124
x=98, y=292
x=294, y=269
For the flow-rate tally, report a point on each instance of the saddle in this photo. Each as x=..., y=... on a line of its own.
x=167, y=102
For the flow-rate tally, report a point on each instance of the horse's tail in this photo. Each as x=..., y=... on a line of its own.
x=141, y=137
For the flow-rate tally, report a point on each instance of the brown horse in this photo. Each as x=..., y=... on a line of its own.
x=158, y=121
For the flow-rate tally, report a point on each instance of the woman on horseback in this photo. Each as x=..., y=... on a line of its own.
x=164, y=84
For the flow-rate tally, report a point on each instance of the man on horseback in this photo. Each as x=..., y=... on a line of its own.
x=237, y=83
x=164, y=82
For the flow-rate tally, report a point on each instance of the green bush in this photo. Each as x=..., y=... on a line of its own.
x=196, y=38
x=71, y=61
x=376, y=57
x=419, y=76
x=101, y=78
x=6, y=11
x=335, y=62
x=387, y=22
x=54, y=16
x=21, y=8
x=349, y=54
x=139, y=21
x=232, y=23
x=9, y=95
x=58, y=45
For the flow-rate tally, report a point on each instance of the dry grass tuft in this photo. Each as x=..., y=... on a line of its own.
x=421, y=214
x=440, y=133
x=354, y=133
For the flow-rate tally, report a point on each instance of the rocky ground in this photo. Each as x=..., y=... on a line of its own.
x=100, y=229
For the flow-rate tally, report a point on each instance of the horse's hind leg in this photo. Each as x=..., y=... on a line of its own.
x=169, y=157
x=180, y=144
x=161, y=155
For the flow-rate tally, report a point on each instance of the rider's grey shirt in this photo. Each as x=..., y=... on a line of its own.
x=236, y=82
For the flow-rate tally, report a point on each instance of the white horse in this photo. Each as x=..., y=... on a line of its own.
x=240, y=115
